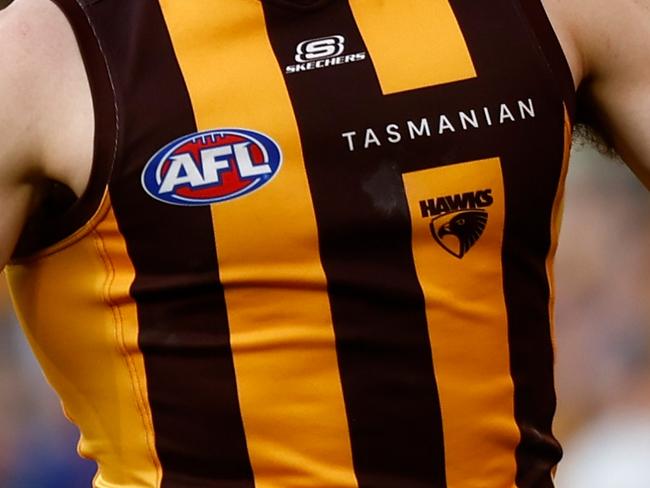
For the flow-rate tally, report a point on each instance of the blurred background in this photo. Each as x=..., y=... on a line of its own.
x=603, y=350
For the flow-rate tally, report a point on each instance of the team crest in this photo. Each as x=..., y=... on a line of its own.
x=457, y=232
x=458, y=221
x=212, y=166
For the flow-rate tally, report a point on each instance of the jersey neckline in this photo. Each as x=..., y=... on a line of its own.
x=301, y=5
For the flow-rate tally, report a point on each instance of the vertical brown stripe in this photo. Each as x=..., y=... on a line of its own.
x=556, y=222
x=181, y=311
x=377, y=304
x=531, y=172
x=551, y=50
x=267, y=242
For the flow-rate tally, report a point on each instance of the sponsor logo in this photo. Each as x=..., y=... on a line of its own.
x=212, y=166
x=440, y=124
x=323, y=47
x=322, y=52
x=458, y=221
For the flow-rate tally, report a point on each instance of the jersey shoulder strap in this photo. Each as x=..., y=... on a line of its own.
x=546, y=38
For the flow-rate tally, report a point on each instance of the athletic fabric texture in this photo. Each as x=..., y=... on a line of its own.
x=368, y=303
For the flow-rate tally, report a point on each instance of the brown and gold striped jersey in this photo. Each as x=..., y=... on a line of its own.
x=316, y=247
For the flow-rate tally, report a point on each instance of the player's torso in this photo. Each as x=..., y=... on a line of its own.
x=324, y=254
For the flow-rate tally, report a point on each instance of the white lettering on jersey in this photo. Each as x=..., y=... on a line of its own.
x=183, y=169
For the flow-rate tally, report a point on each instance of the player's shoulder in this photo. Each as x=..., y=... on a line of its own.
x=29, y=33
x=44, y=100
x=35, y=41
x=560, y=18
x=593, y=28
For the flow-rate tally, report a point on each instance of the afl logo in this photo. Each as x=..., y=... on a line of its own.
x=211, y=166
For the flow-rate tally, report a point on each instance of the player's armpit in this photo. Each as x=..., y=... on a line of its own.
x=19, y=129
x=46, y=116
x=614, y=42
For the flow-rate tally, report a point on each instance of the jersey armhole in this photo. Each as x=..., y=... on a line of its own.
x=551, y=49
x=44, y=232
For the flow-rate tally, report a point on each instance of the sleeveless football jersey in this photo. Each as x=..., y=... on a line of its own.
x=316, y=247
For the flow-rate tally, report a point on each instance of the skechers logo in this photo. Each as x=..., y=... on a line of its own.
x=322, y=52
x=323, y=47
x=211, y=166
x=458, y=221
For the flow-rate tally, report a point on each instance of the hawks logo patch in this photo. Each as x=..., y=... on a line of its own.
x=457, y=232
x=458, y=220
x=212, y=166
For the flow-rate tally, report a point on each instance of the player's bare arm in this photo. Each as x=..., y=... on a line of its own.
x=607, y=44
x=45, y=112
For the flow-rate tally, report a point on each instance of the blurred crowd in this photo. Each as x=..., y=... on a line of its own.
x=603, y=327
x=37, y=443
x=602, y=334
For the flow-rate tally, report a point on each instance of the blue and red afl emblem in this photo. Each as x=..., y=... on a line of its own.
x=212, y=166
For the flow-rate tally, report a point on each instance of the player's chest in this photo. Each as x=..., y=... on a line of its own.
x=363, y=115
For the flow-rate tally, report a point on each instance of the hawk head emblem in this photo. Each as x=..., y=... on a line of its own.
x=457, y=232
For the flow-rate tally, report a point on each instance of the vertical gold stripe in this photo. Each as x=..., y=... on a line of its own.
x=281, y=331
x=413, y=43
x=89, y=351
x=468, y=327
x=556, y=222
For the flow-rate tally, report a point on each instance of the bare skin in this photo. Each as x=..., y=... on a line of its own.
x=607, y=44
x=43, y=136
x=51, y=137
